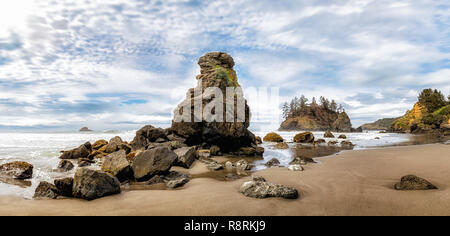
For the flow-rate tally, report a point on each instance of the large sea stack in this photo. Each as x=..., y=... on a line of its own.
x=216, y=70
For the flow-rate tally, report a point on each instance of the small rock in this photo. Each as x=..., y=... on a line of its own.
x=298, y=161
x=231, y=177
x=229, y=165
x=328, y=134
x=186, y=156
x=342, y=136
x=377, y=137
x=17, y=169
x=214, y=150
x=214, y=166
x=412, y=182
x=65, y=165
x=305, y=137
x=295, y=168
x=177, y=182
x=260, y=188
x=46, y=190
x=155, y=180
x=282, y=145
x=273, y=137
x=64, y=186
x=205, y=153
x=258, y=140
x=99, y=144
x=242, y=165
x=272, y=162
x=332, y=142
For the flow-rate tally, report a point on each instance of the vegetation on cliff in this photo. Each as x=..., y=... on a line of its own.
x=381, y=124
x=431, y=112
x=322, y=115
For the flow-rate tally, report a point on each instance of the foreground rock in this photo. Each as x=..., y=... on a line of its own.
x=65, y=165
x=146, y=135
x=295, y=168
x=153, y=162
x=258, y=187
x=282, y=146
x=273, y=137
x=185, y=156
x=91, y=184
x=342, y=136
x=117, y=164
x=216, y=71
x=412, y=182
x=17, y=170
x=46, y=190
x=272, y=162
x=64, y=186
x=82, y=151
x=328, y=134
x=305, y=137
x=176, y=179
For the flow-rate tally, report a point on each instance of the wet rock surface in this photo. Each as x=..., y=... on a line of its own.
x=91, y=184
x=412, y=182
x=17, y=170
x=153, y=162
x=258, y=187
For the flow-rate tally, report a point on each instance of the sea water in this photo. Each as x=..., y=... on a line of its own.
x=42, y=149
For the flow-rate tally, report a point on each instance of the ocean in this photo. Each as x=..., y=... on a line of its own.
x=42, y=149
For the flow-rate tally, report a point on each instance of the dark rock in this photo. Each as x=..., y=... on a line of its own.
x=176, y=183
x=64, y=186
x=85, y=129
x=99, y=144
x=82, y=151
x=17, y=170
x=282, y=145
x=258, y=140
x=305, y=137
x=332, y=142
x=65, y=165
x=152, y=162
x=117, y=164
x=260, y=188
x=412, y=182
x=242, y=165
x=342, y=136
x=214, y=150
x=46, y=190
x=272, y=162
x=91, y=184
x=113, y=145
x=155, y=180
x=328, y=134
x=146, y=135
x=273, y=137
x=186, y=156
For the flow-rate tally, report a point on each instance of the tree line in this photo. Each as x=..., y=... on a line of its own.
x=300, y=106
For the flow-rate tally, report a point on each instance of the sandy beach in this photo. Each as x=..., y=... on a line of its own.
x=349, y=183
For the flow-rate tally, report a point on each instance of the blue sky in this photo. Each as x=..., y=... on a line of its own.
x=121, y=64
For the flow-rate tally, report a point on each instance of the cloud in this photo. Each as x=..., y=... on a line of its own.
x=123, y=63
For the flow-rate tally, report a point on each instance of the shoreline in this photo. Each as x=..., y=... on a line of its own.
x=357, y=182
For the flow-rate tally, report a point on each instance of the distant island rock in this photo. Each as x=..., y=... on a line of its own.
x=322, y=116
x=381, y=124
x=431, y=113
x=85, y=129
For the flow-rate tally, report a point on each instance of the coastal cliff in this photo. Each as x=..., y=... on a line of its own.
x=381, y=124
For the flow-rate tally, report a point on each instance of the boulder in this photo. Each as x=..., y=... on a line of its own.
x=65, y=165
x=99, y=144
x=146, y=135
x=305, y=137
x=342, y=136
x=17, y=170
x=258, y=187
x=214, y=150
x=328, y=134
x=83, y=163
x=85, y=129
x=412, y=182
x=91, y=184
x=82, y=151
x=319, y=141
x=282, y=145
x=272, y=162
x=64, y=186
x=97, y=154
x=152, y=162
x=186, y=156
x=250, y=151
x=155, y=180
x=332, y=142
x=295, y=168
x=46, y=190
x=117, y=164
x=113, y=145
x=242, y=165
x=298, y=161
x=273, y=137
x=216, y=71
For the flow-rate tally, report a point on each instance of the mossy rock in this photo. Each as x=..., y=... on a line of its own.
x=273, y=137
x=305, y=137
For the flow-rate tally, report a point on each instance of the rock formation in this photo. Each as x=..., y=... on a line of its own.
x=381, y=124
x=153, y=162
x=273, y=137
x=17, y=170
x=91, y=184
x=258, y=187
x=46, y=190
x=216, y=71
x=305, y=137
x=412, y=182
x=117, y=164
x=85, y=129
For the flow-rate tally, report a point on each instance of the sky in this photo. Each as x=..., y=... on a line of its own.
x=121, y=64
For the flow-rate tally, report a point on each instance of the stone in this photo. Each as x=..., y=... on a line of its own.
x=282, y=145
x=99, y=144
x=146, y=135
x=347, y=144
x=85, y=129
x=258, y=140
x=332, y=142
x=97, y=154
x=242, y=165
x=328, y=134
x=298, y=161
x=305, y=137
x=203, y=153
x=176, y=183
x=65, y=165
x=214, y=166
x=214, y=150
x=46, y=190
x=273, y=137
x=17, y=170
x=92, y=184
x=412, y=182
x=83, y=163
x=155, y=180
x=319, y=141
x=82, y=151
x=64, y=186
x=153, y=162
x=117, y=164
x=258, y=187
x=229, y=165
x=342, y=136
x=272, y=162
x=295, y=168
x=113, y=145
x=377, y=137
x=186, y=157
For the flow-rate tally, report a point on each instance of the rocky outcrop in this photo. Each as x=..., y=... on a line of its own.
x=146, y=135
x=320, y=121
x=342, y=123
x=328, y=134
x=258, y=187
x=64, y=186
x=381, y=124
x=46, y=190
x=273, y=137
x=305, y=137
x=216, y=71
x=91, y=184
x=82, y=151
x=99, y=144
x=412, y=182
x=153, y=162
x=17, y=170
x=117, y=164
x=65, y=165
x=85, y=129
x=186, y=156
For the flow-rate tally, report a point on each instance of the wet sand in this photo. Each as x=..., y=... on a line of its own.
x=349, y=183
